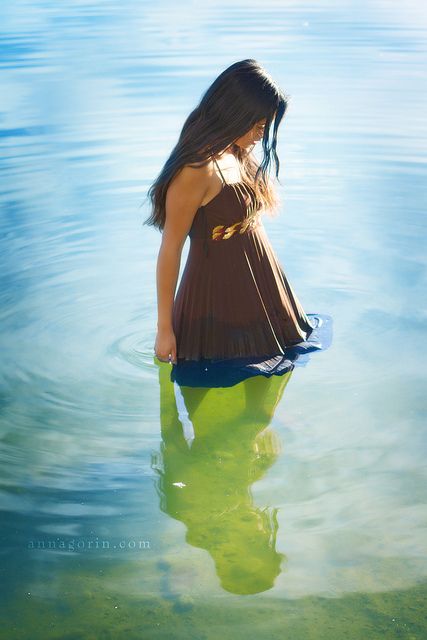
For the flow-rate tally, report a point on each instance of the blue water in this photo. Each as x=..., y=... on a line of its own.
x=295, y=507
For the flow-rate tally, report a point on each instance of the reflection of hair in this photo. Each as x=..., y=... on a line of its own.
x=241, y=96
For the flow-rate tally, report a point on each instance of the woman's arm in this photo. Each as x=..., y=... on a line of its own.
x=184, y=196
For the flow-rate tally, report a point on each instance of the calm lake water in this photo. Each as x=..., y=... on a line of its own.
x=290, y=509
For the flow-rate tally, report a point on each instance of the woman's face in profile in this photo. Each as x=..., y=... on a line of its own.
x=253, y=136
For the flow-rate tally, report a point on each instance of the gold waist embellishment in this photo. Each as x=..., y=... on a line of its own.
x=221, y=232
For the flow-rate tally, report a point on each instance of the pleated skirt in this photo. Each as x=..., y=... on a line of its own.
x=236, y=315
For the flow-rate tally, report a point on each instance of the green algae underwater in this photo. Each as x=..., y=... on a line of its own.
x=91, y=610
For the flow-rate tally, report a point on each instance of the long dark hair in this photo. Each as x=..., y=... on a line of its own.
x=241, y=96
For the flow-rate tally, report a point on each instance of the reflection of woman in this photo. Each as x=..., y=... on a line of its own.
x=205, y=481
x=234, y=303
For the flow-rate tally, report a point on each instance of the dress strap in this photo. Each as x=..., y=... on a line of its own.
x=223, y=179
x=206, y=242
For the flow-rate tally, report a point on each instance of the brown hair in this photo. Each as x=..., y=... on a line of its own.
x=241, y=96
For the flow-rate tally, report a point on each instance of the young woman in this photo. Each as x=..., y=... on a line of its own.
x=235, y=314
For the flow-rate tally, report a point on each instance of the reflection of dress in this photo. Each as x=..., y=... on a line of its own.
x=235, y=314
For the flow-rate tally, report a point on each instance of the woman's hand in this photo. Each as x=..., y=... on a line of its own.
x=165, y=345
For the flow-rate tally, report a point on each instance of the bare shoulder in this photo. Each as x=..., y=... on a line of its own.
x=189, y=186
x=184, y=197
x=192, y=178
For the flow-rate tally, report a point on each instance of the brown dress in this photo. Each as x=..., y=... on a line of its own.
x=234, y=302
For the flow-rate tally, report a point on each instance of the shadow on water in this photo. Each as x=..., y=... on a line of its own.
x=216, y=444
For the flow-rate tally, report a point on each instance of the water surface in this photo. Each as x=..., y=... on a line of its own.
x=131, y=508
